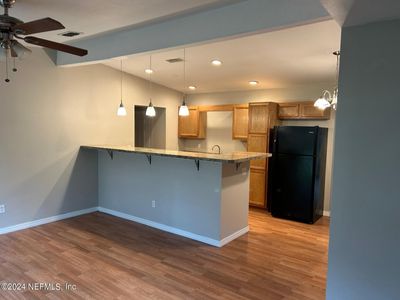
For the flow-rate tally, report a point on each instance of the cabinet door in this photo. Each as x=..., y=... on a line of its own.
x=309, y=111
x=240, y=122
x=257, y=188
x=189, y=126
x=289, y=111
x=258, y=118
x=257, y=143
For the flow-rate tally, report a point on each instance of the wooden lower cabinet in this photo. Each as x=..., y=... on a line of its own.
x=257, y=187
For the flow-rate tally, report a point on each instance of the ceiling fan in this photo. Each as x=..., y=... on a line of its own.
x=13, y=29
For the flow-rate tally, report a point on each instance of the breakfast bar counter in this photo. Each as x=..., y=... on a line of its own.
x=230, y=157
x=206, y=201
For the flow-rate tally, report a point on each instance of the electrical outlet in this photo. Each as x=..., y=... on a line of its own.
x=2, y=209
x=153, y=203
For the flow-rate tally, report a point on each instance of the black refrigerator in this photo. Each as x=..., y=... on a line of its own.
x=297, y=172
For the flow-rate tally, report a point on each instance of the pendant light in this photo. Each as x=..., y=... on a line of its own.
x=183, y=109
x=121, y=109
x=329, y=99
x=150, y=110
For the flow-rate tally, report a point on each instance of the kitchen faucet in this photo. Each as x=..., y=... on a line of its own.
x=219, y=148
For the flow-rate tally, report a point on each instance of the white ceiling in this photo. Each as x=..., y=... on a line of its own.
x=290, y=57
x=94, y=17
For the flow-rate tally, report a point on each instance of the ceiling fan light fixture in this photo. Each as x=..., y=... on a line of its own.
x=21, y=51
x=3, y=54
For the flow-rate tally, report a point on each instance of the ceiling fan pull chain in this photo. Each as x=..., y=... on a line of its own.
x=14, y=66
x=7, y=78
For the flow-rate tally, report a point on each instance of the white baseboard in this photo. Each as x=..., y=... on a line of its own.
x=176, y=231
x=187, y=234
x=35, y=223
x=234, y=236
x=327, y=213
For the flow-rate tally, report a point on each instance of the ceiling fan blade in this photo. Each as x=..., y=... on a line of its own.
x=56, y=46
x=37, y=26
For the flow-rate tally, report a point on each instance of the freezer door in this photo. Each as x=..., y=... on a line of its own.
x=296, y=140
x=292, y=188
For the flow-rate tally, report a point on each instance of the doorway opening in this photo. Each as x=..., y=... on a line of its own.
x=150, y=132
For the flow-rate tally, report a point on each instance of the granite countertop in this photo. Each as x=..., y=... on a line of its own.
x=231, y=157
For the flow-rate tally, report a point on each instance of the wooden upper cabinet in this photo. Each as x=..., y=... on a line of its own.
x=258, y=117
x=288, y=110
x=194, y=125
x=240, y=122
x=302, y=111
x=309, y=111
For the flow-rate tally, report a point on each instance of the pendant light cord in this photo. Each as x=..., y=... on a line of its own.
x=184, y=76
x=184, y=68
x=150, y=79
x=7, y=78
x=121, y=81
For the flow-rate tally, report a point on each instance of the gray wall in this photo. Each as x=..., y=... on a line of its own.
x=46, y=113
x=186, y=199
x=364, y=253
x=234, y=198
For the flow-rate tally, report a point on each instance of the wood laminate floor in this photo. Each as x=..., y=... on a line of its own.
x=110, y=258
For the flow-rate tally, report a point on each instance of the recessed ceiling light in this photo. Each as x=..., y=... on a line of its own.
x=253, y=82
x=216, y=62
x=191, y=87
x=149, y=71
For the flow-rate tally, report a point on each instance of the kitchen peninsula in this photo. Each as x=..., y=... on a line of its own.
x=202, y=196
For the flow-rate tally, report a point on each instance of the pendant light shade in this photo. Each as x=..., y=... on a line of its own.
x=183, y=109
x=150, y=110
x=121, y=112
